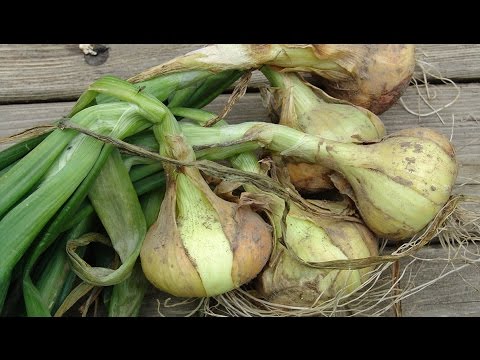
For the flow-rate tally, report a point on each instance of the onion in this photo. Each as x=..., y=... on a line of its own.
x=286, y=280
x=379, y=79
x=289, y=279
x=200, y=245
x=310, y=110
x=372, y=76
x=398, y=184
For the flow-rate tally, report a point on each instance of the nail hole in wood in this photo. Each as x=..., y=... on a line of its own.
x=102, y=55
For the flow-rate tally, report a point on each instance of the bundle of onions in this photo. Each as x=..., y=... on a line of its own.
x=398, y=184
x=301, y=240
x=200, y=245
x=310, y=110
x=372, y=76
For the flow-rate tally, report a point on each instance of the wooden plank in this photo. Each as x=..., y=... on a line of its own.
x=14, y=118
x=454, y=295
x=455, y=61
x=39, y=72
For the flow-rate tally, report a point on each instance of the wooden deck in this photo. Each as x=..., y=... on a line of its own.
x=38, y=83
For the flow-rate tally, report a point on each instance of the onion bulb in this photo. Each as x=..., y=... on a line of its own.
x=398, y=184
x=372, y=76
x=378, y=80
x=310, y=110
x=286, y=280
x=201, y=245
x=308, y=238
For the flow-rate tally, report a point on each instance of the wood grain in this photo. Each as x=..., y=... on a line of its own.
x=49, y=72
x=456, y=294
x=39, y=72
x=460, y=62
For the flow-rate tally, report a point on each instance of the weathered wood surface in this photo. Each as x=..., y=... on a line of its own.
x=33, y=72
x=456, y=294
x=52, y=76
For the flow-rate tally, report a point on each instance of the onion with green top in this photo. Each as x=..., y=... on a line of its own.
x=200, y=244
x=372, y=76
x=310, y=110
x=398, y=184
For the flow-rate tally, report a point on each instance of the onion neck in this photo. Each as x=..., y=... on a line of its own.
x=299, y=57
x=281, y=139
x=304, y=98
x=220, y=57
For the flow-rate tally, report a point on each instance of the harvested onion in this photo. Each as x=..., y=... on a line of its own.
x=310, y=110
x=286, y=280
x=200, y=245
x=379, y=79
x=398, y=184
x=372, y=76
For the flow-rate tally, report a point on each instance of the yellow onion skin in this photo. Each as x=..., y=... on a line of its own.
x=378, y=78
x=288, y=281
x=401, y=183
x=210, y=247
x=309, y=178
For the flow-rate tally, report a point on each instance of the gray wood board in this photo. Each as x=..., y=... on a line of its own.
x=41, y=72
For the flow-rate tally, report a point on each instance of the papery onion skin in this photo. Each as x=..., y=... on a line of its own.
x=379, y=78
x=288, y=281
